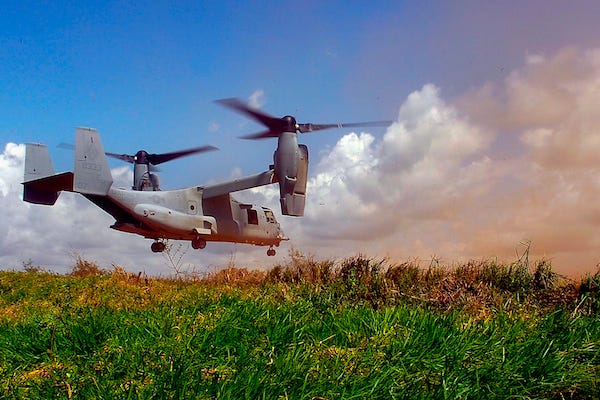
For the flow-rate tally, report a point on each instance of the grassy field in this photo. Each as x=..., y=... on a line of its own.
x=357, y=328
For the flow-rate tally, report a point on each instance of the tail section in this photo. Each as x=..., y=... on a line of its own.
x=92, y=174
x=41, y=185
x=37, y=162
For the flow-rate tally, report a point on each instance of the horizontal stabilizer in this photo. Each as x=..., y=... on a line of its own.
x=41, y=185
x=46, y=190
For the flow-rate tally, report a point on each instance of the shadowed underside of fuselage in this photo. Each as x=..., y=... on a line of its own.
x=229, y=221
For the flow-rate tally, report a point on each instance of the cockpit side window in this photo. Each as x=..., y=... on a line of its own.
x=252, y=216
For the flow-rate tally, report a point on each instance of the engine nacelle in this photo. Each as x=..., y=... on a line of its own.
x=291, y=168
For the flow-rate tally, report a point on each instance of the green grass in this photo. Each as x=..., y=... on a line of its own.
x=305, y=330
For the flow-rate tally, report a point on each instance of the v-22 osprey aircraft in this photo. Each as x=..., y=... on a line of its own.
x=198, y=214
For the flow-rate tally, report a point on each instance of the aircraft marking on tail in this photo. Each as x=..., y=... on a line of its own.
x=92, y=174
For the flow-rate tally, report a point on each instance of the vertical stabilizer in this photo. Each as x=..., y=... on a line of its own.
x=37, y=162
x=92, y=174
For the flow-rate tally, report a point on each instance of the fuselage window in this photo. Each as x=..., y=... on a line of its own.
x=252, y=217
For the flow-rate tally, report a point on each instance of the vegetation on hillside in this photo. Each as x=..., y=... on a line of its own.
x=355, y=328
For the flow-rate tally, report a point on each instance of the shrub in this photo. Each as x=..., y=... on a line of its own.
x=404, y=276
x=512, y=278
x=589, y=294
x=240, y=277
x=29, y=267
x=363, y=279
x=543, y=276
x=84, y=268
x=301, y=268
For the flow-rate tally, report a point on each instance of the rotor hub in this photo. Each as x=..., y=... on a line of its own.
x=289, y=124
x=141, y=157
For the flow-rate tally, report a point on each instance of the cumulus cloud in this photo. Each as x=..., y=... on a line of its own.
x=403, y=194
x=397, y=193
x=514, y=160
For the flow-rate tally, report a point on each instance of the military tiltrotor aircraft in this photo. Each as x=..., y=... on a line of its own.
x=199, y=213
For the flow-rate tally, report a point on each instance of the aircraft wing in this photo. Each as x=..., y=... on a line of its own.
x=219, y=189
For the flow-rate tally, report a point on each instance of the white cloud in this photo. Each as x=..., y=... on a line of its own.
x=441, y=182
x=532, y=58
x=256, y=99
x=123, y=176
x=411, y=180
x=11, y=165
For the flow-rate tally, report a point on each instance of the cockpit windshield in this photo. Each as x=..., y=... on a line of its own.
x=270, y=216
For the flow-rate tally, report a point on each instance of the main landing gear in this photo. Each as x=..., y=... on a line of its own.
x=198, y=243
x=157, y=247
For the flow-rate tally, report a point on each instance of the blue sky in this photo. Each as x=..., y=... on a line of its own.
x=146, y=75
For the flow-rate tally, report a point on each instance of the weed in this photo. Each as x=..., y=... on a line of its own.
x=30, y=267
x=404, y=276
x=302, y=268
x=543, y=276
x=589, y=294
x=358, y=328
x=83, y=268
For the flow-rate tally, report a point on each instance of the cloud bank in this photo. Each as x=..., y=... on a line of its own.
x=512, y=161
x=470, y=177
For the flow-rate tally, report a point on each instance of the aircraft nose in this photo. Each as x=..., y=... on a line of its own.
x=281, y=235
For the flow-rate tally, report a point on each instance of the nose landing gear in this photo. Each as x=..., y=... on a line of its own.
x=157, y=247
x=271, y=252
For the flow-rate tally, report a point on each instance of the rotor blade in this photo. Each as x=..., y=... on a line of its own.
x=122, y=157
x=261, y=135
x=304, y=128
x=264, y=118
x=68, y=146
x=156, y=159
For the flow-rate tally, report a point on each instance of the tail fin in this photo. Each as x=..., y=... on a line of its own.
x=41, y=185
x=37, y=162
x=92, y=175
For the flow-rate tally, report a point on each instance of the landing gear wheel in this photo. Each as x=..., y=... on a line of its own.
x=157, y=247
x=271, y=252
x=198, y=243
